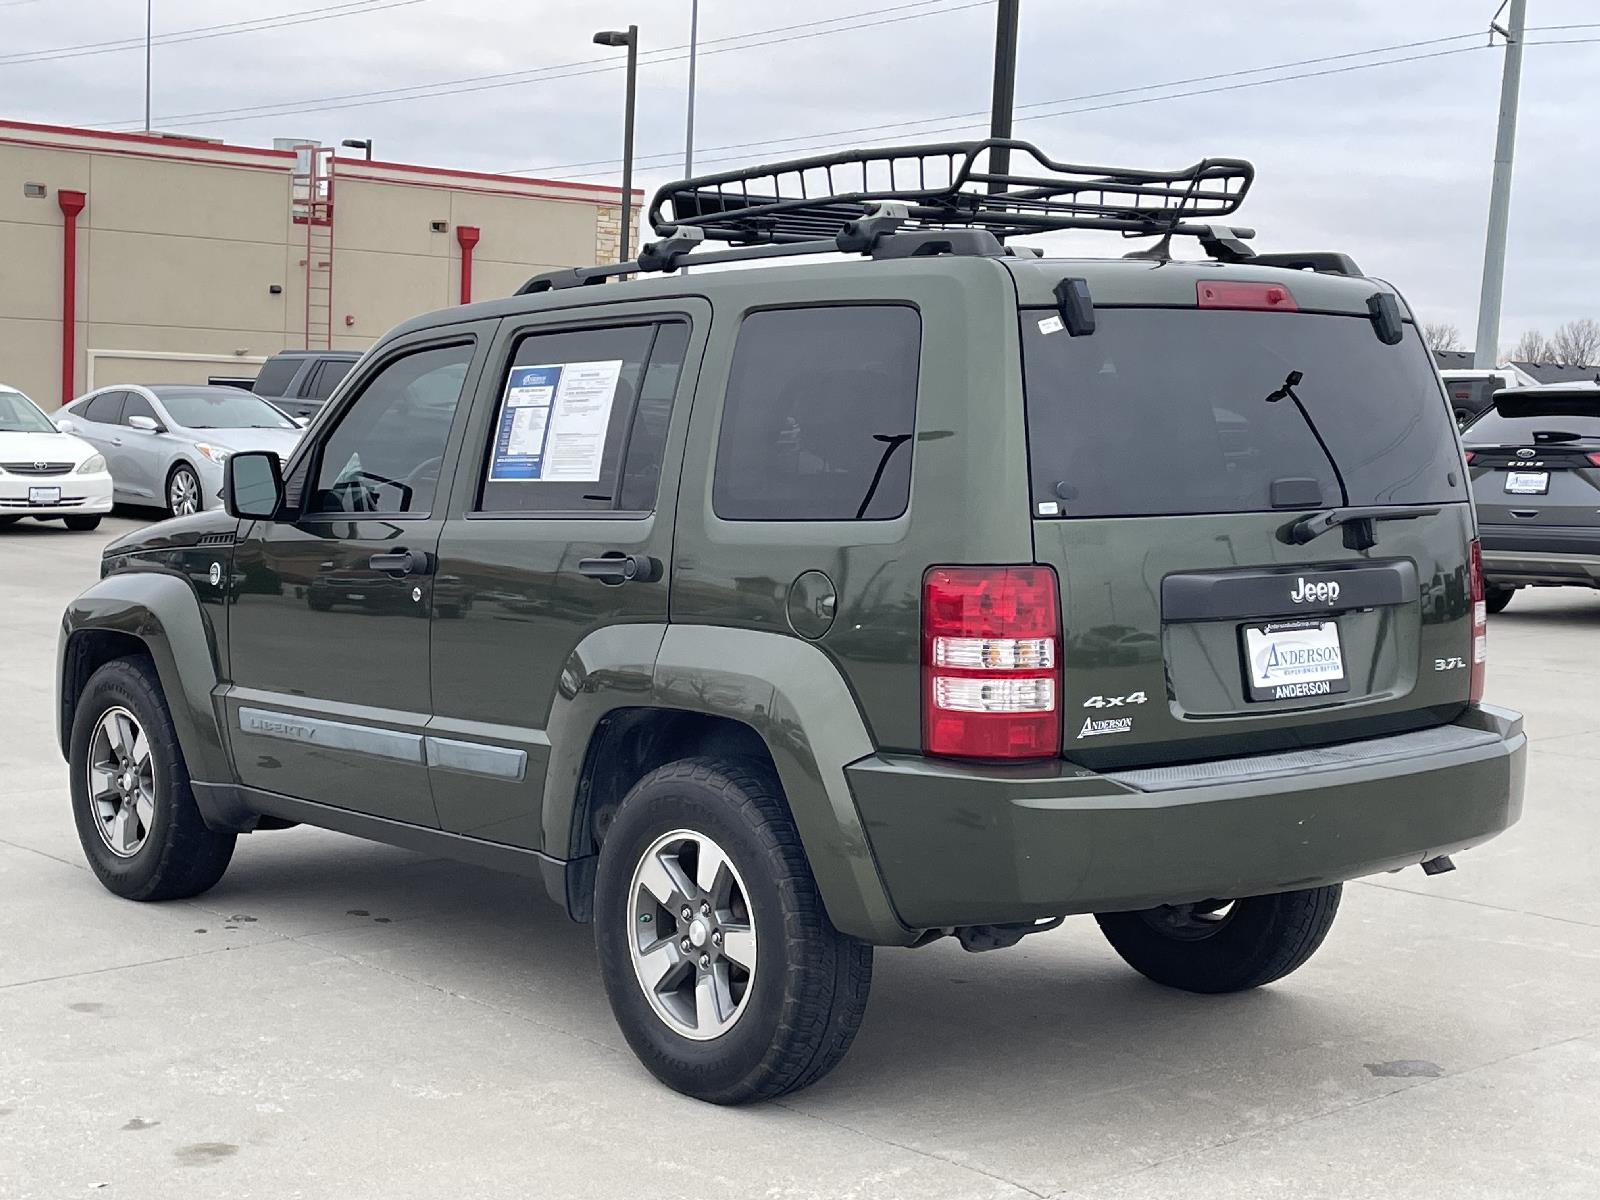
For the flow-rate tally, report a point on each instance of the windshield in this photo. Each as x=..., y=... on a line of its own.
x=1184, y=411
x=223, y=408
x=18, y=414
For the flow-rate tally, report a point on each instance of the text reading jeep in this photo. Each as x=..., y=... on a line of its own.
x=772, y=615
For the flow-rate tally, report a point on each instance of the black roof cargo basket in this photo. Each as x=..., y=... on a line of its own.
x=943, y=186
x=939, y=198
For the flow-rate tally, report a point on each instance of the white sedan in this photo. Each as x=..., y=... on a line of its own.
x=47, y=474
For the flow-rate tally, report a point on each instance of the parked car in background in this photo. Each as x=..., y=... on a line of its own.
x=1471, y=392
x=300, y=381
x=166, y=443
x=1534, y=458
x=45, y=473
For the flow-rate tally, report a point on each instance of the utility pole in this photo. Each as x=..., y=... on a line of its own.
x=1007, y=15
x=694, y=45
x=148, y=6
x=1487, y=351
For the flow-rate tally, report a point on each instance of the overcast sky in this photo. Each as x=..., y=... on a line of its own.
x=1391, y=164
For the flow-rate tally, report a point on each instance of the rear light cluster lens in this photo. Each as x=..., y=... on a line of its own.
x=989, y=662
x=1594, y=458
x=1467, y=454
x=1480, y=622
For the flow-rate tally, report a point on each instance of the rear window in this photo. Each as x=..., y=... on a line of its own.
x=1570, y=419
x=328, y=377
x=1167, y=411
x=275, y=376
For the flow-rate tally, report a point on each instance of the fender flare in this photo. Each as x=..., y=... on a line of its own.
x=787, y=690
x=161, y=611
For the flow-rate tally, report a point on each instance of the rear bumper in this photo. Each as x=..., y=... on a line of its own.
x=970, y=845
x=1522, y=554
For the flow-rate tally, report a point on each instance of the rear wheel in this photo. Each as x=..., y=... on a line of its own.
x=1495, y=599
x=136, y=816
x=721, y=966
x=83, y=523
x=1223, y=946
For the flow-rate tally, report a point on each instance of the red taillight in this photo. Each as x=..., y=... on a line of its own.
x=990, y=673
x=1480, y=622
x=1467, y=454
x=1228, y=293
x=1594, y=458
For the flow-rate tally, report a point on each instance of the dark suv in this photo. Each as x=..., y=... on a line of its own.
x=1535, y=463
x=299, y=382
x=769, y=616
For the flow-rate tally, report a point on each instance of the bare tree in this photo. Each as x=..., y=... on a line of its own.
x=1577, y=343
x=1532, y=346
x=1441, y=335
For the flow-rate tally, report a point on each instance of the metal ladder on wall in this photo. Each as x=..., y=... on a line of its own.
x=312, y=201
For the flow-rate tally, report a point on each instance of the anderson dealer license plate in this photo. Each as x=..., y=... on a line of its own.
x=1286, y=660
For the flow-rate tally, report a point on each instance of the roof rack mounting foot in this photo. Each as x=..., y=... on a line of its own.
x=676, y=241
x=1227, y=244
x=862, y=235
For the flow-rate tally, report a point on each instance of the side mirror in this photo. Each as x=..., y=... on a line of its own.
x=252, y=485
x=146, y=424
x=63, y=425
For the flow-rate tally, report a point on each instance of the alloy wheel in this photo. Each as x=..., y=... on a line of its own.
x=121, y=782
x=692, y=937
x=183, y=493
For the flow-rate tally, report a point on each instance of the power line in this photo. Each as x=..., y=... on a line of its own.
x=543, y=75
x=906, y=124
x=1039, y=116
x=304, y=16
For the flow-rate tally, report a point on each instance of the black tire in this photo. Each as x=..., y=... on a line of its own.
x=172, y=478
x=83, y=523
x=1495, y=599
x=806, y=997
x=1255, y=941
x=4, y=521
x=179, y=856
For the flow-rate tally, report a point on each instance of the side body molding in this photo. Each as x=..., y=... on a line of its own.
x=160, y=610
x=786, y=690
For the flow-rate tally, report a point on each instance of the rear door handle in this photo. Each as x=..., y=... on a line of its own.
x=116, y=441
x=617, y=567
x=406, y=562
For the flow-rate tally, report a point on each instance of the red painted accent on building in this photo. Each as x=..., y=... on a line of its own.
x=147, y=138
x=467, y=236
x=71, y=205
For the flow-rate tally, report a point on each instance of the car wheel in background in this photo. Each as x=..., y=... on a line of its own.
x=1223, y=946
x=720, y=963
x=1495, y=599
x=83, y=523
x=131, y=801
x=4, y=521
x=183, y=491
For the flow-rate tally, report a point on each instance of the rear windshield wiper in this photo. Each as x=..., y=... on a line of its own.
x=1290, y=382
x=1357, y=523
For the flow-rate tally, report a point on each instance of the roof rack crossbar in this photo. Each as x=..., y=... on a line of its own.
x=942, y=186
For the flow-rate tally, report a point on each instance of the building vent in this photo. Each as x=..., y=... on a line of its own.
x=34, y=191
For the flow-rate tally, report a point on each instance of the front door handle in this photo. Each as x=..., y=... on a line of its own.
x=116, y=441
x=405, y=562
x=617, y=567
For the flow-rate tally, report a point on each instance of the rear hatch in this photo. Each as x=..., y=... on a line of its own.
x=1535, y=460
x=1172, y=450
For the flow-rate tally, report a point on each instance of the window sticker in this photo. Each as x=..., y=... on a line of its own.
x=553, y=422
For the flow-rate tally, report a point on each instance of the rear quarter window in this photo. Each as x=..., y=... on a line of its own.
x=1167, y=411
x=275, y=376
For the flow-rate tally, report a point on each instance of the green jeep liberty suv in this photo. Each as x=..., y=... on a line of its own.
x=939, y=588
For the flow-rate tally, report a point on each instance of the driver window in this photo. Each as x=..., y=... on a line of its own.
x=383, y=457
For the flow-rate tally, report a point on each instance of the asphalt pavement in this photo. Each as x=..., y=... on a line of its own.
x=344, y=1019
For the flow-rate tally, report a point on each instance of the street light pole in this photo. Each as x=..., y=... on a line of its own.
x=1007, y=14
x=630, y=39
x=148, y=6
x=694, y=45
x=1487, y=351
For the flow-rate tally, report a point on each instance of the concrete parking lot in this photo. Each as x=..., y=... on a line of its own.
x=340, y=1018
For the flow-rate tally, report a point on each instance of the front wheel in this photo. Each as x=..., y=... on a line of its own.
x=183, y=492
x=1495, y=599
x=721, y=966
x=1224, y=946
x=136, y=816
x=83, y=522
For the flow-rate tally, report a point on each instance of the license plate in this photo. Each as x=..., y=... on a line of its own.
x=1527, y=483
x=1287, y=660
x=44, y=495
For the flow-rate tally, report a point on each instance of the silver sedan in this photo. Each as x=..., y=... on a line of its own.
x=166, y=443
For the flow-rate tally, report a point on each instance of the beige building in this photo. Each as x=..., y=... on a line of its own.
x=127, y=258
